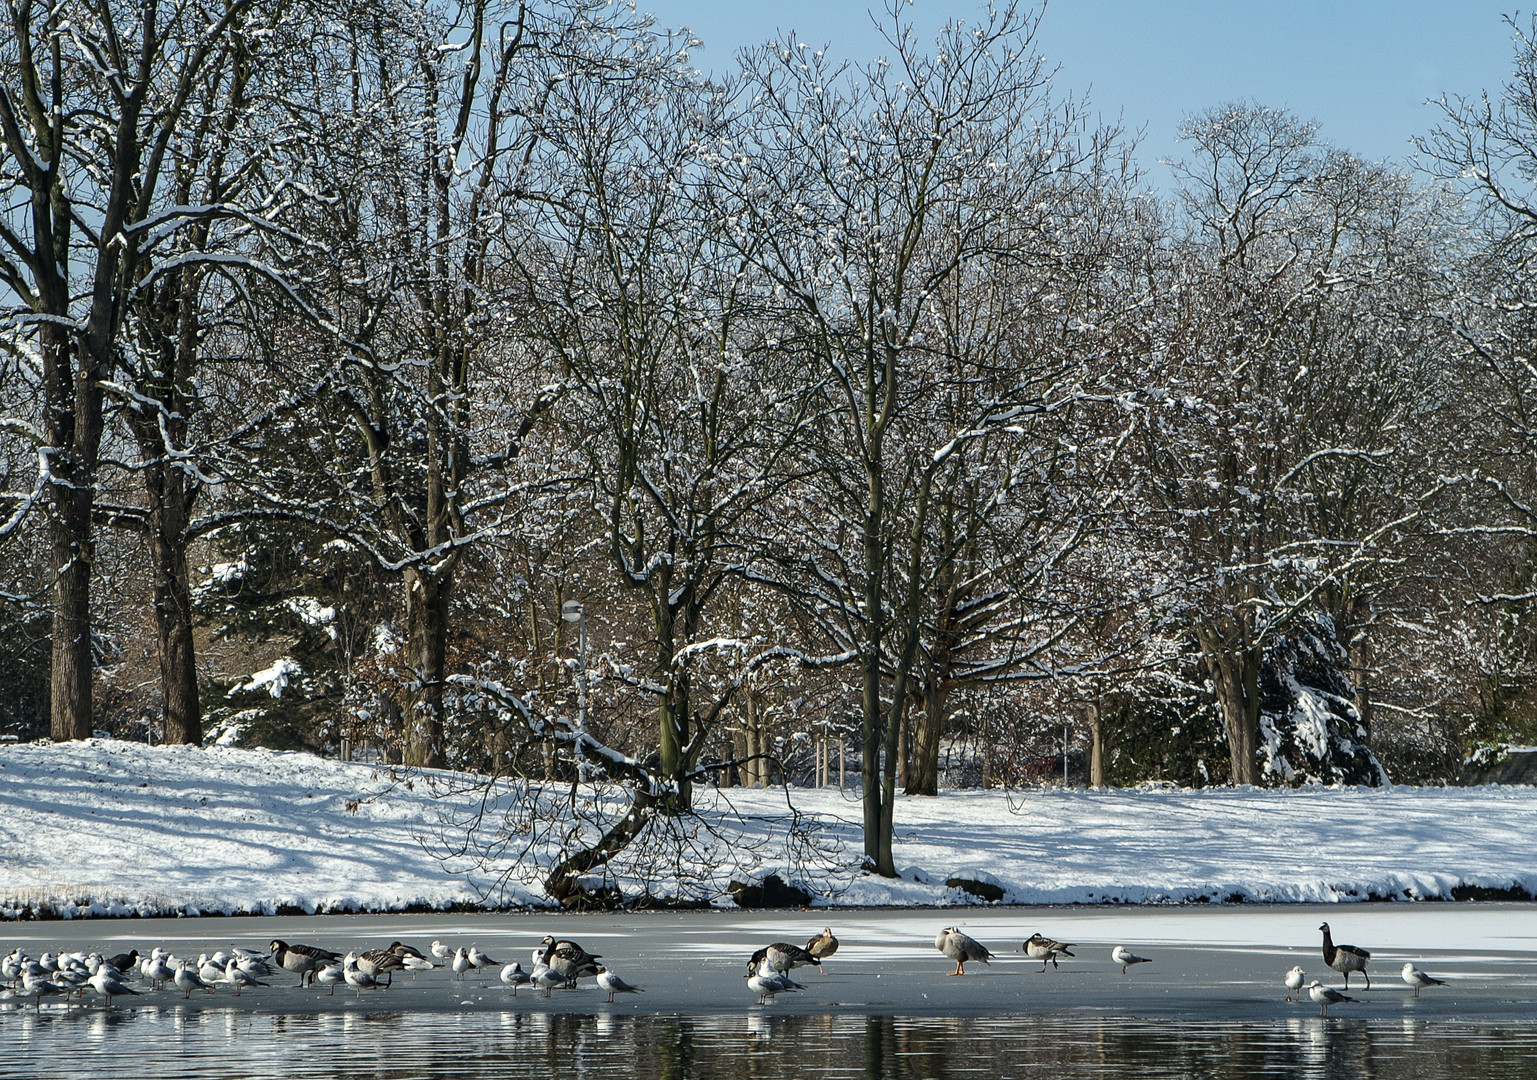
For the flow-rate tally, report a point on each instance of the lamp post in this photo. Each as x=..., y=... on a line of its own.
x=572, y=611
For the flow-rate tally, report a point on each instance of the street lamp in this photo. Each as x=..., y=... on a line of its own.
x=572, y=611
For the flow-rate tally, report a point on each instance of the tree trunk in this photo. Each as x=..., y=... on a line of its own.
x=173, y=609
x=928, y=731
x=1096, y=747
x=1235, y=676
x=70, y=684
x=427, y=605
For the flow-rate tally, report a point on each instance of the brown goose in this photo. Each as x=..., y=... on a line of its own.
x=1042, y=948
x=1345, y=958
x=960, y=948
x=822, y=946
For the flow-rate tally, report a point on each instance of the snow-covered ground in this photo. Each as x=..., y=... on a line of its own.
x=107, y=827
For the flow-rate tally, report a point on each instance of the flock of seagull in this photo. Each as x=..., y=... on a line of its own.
x=555, y=963
x=1344, y=959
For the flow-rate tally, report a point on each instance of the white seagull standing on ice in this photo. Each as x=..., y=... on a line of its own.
x=1124, y=956
x=1294, y=980
x=1418, y=979
x=612, y=983
x=1325, y=996
x=460, y=963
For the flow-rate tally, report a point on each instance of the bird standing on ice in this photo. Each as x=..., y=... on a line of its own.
x=1042, y=948
x=1125, y=957
x=1324, y=996
x=1294, y=980
x=960, y=948
x=1418, y=979
x=1345, y=958
x=822, y=946
x=613, y=984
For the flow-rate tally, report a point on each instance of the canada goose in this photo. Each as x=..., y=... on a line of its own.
x=377, y=962
x=1418, y=979
x=1124, y=956
x=960, y=948
x=782, y=957
x=822, y=946
x=302, y=960
x=1325, y=996
x=1345, y=958
x=1042, y=948
x=568, y=958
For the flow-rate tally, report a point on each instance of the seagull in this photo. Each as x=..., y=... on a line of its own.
x=460, y=963
x=157, y=969
x=1345, y=958
x=547, y=979
x=607, y=980
x=109, y=986
x=1125, y=957
x=1418, y=979
x=1043, y=948
x=331, y=975
x=960, y=948
x=38, y=986
x=514, y=976
x=1325, y=996
x=187, y=978
x=782, y=957
x=1294, y=979
x=239, y=977
x=479, y=960
x=357, y=979
x=822, y=946
x=767, y=984
x=210, y=970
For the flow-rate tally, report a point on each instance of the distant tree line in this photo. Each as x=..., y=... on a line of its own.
x=477, y=382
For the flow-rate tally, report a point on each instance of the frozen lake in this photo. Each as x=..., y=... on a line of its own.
x=1210, y=1003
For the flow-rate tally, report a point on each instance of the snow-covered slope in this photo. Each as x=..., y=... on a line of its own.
x=117, y=828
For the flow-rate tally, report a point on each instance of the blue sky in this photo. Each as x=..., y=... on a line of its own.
x=1361, y=68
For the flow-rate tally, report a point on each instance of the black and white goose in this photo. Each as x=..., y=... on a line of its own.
x=1345, y=958
x=381, y=962
x=782, y=957
x=960, y=948
x=302, y=960
x=1042, y=948
x=568, y=958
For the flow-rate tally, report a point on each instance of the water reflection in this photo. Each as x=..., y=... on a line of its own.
x=172, y=1042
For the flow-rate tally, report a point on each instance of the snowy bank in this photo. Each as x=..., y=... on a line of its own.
x=117, y=828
